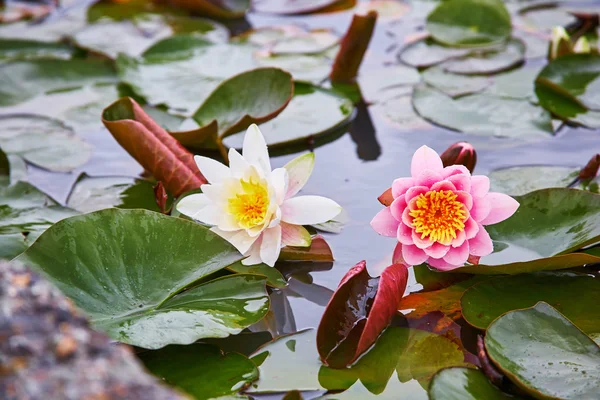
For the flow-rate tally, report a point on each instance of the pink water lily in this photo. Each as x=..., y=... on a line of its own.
x=438, y=214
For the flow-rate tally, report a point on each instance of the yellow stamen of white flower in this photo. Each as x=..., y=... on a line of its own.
x=249, y=207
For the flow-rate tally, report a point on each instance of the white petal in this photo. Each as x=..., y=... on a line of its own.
x=308, y=210
x=212, y=170
x=271, y=245
x=295, y=235
x=279, y=180
x=299, y=170
x=237, y=164
x=253, y=254
x=191, y=204
x=255, y=149
x=239, y=239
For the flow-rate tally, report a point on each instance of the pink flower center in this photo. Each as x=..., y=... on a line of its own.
x=438, y=215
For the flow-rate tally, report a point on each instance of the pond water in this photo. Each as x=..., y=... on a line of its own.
x=353, y=169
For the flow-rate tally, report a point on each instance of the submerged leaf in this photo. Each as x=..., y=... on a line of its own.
x=148, y=289
x=360, y=309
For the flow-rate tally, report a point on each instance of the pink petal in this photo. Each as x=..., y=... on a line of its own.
x=443, y=185
x=428, y=178
x=465, y=198
x=425, y=158
x=404, y=234
x=437, y=250
x=441, y=265
x=384, y=223
x=420, y=243
x=414, y=192
x=412, y=255
x=457, y=169
x=406, y=218
x=481, y=208
x=471, y=228
x=460, y=237
x=401, y=185
x=458, y=255
x=461, y=181
x=481, y=245
x=503, y=206
x=397, y=207
x=480, y=185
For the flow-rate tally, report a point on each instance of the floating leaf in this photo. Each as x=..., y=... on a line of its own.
x=487, y=63
x=25, y=214
x=254, y=96
x=517, y=84
x=399, y=111
x=148, y=305
x=201, y=370
x=482, y=114
x=426, y=53
x=518, y=181
x=224, y=9
x=291, y=6
x=548, y=226
x=305, y=42
x=485, y=301
x=459, y=383
x=152, y=146
x=319, y=251
x=360, y=309
x=273, y=276
x=564, y=106
x=469, y=22
x=454, y=85
x=576, y=76
x=431, y=279
x=533, y=347
x=545, y=17
x=381, y=81
x=93, y=193
x=22, y=80
x=42, y=141
x=23, y=49
x=312, y=114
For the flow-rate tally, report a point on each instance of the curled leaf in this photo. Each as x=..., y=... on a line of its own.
x=156, y=150
x=360, y=309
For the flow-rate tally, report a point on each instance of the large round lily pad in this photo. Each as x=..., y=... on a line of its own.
x=482, y=114
x=201, y=370
x=137, y=275
x=518, y=181
x=487, y=300
x=469, y=22
x=22, y=49
x=459, y=383
x=489, y=62
x=43, y=141
x=544, y=354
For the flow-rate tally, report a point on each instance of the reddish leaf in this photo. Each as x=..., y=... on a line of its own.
x=353, y=48
x=161, y=197
x=319, y=250
x=386, y=198
x=156, y=150
x=591, y=169
x=360, y=309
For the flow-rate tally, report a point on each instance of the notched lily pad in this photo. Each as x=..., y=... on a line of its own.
x=518, y=181
x=459, y=383
x=147, y=289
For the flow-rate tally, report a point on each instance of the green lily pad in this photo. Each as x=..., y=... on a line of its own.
x=148, y=260
x=312, y=112
x=201, y=370
x=399, y=111
x=518, y=181
x=93, y=193
x=517, y=84
x=482, y=114
x=54, y=29
x=458, y=383
x=25, y=214
x=42, y=141
x=454, y=85
x=489, y=62
x=544, y=18
x=426, y=53
x=469, y=22
x=274, y=277
x=485, y=301
x=378, y=83
x=22, y=49
x=544, y=354
x=182, y=71
x=22, y=80
x=576, y=76
x=548, y=226
x=564, y=105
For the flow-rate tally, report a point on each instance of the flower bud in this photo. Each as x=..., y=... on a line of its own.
x=591, y=169
x=560, y=44
x=461, y=153
x=582, y=46
x=161, y=197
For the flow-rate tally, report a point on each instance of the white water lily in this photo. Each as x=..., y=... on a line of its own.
x=253, y=207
